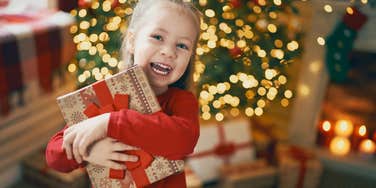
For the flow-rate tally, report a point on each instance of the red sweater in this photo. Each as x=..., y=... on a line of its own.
x=171, y=133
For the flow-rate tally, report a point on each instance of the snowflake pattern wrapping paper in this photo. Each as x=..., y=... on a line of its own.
x=129, y=86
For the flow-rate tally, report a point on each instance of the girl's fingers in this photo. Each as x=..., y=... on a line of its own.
x=115, y=156
x=68, y=151
x=67, y=144
x=66, y=131
x=115, y=165
x=76, y=154
x=118, y=146
x=83, y=147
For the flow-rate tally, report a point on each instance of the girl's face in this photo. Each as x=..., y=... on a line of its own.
x=163, y=45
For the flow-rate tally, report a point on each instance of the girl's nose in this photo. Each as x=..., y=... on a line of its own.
x=168, y=51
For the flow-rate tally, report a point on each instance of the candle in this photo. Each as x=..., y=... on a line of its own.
x=360, y=134
x=340, y=145
x=367, y=146
x=326, y=133
x=343, y=128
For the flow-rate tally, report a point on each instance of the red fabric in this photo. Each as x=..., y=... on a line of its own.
x=4, y=88
x=172, y=133
x=10, y=68
x=48, y=60
x=55, y=155
x=67, y=5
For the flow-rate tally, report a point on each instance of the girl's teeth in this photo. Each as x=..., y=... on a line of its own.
x=164, y=66
x=159, y=72
x=160, y=68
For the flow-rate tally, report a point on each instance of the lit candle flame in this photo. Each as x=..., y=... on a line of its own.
x=326, y=126
x=362, y=130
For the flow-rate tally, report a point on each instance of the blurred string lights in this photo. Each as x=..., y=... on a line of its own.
x=97, y=35
x=242, y=56
x=328, y=8
x=244, y=50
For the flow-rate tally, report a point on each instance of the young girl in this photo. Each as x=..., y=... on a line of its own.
x=161, y=38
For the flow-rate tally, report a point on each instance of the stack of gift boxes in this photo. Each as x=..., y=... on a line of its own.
x=225, y=156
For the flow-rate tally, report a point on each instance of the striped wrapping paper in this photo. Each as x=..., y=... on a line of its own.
x=32, y=48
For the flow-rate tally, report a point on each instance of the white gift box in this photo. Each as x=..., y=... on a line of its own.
x=222, y=143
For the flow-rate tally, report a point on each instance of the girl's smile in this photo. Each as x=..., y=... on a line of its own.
x=160, y=68
x=163, y=45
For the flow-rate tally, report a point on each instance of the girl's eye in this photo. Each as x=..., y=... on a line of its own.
x=183, y=46
x=157, y=37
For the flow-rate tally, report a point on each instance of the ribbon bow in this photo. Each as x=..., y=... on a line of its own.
x=107, y=104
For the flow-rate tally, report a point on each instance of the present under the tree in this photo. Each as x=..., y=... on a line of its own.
x=254, y=174
x=36, y=172
x=298, y=167
x=192, y=179
x=221, y=143
x=127, y=89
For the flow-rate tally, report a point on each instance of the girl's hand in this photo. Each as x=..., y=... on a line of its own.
x=128, y=181
x=106, y=152
x=80, y=136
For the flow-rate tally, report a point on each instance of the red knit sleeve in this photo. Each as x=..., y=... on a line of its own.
x=56, y=157
x=173, y=136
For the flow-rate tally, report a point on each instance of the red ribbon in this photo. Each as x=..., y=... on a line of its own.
x=137, y=169
x=107, y=104
x=302, y=156
x=16, y=18
x=245, y=167
x=224, y=149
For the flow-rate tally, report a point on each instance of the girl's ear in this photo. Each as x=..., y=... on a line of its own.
x=130, y=42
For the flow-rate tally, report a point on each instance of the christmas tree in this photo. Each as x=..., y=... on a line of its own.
x=97, y=33
x=244, y=51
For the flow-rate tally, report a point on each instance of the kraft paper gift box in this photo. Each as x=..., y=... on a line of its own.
x=36, y=172
x=298, y=167
x=224, y=143
x=127, y=89
x=252, y=174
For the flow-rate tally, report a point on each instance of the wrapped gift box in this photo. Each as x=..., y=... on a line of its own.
x=218, y=144
x=127, y=89
x=253, y=174
x=298, y=167
x=192, y=179
x=35, y=171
